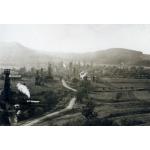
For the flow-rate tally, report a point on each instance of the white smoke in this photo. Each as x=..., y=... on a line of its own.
x=83, y=74
x=64, y=65
x=32, y=101
x=23, y=89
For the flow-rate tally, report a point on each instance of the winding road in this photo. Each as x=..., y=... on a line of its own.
x=68, y=87
x=57, y=113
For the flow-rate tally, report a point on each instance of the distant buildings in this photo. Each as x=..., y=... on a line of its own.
x=15, y=75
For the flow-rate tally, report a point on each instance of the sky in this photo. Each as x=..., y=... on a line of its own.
x=77, y=37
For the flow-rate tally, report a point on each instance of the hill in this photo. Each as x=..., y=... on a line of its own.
x=118, y=56
x=111, y=56
x=16, y=55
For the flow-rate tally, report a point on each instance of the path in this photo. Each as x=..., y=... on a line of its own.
x=57, y=113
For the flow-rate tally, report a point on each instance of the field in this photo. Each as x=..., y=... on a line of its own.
x=116, y=102
x=122, y=103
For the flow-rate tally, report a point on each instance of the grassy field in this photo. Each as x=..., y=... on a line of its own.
x=116, y=103
x=123, y=107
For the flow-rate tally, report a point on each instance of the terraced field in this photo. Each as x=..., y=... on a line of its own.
x=116, y=104
x=125, y=111
x=127, y=106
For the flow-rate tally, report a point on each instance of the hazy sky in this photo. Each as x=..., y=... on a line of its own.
x=78, y=38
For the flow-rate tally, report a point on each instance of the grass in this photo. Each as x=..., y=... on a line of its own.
x=113, y=108
x=51, y=95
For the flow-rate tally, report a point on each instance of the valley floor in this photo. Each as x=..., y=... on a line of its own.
x=123, y=107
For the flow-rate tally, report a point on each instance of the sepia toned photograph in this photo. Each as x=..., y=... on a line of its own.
x=74, y=75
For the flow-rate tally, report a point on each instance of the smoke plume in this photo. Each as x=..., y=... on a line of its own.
x=23, y=89
x=83, y=74
x=64, y=65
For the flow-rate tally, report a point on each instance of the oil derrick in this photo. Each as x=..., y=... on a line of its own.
x=74, y=76
x=50, y=76
x=37, y=78
x=70, y=65
x=94, y=78
x=79, y=65
x=42, y=76
x=70, y=70
x=74, y=71
x=91, y=64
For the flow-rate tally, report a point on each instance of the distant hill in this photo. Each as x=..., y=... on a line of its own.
x=121, y=55
x=17, y=55
x=117, y=56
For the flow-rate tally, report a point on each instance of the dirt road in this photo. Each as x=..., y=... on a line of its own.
x=57, y=113
x=68, y=87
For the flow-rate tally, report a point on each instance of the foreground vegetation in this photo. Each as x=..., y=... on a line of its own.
x=126, y=108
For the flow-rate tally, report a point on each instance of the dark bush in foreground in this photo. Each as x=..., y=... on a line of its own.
x=127, y=122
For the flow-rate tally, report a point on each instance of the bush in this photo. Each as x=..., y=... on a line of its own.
x=38, y=111
x=127, y=122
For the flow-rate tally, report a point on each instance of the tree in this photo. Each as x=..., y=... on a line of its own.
x=84, y=87
x=82, y=93
x=22, y=70
x=88, y=111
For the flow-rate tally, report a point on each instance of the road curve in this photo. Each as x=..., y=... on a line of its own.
x=57, y=113
x=66, y=86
